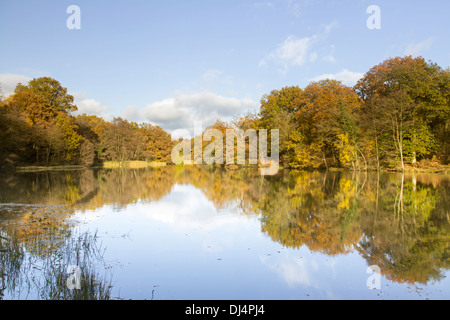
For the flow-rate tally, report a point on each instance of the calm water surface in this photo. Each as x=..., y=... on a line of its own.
x=209, y=233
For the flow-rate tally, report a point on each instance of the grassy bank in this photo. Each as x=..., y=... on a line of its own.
x=47, y=168
x=422, y=167
x=107, y=164
x=440, y=169
x=132, y=164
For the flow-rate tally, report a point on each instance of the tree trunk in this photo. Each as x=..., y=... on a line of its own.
x=377, y=152
x=325, y=160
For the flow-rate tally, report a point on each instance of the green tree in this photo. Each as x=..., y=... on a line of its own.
x=407, y=102
x=277, y=112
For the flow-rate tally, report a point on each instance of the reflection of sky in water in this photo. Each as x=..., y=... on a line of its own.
x=182, y=247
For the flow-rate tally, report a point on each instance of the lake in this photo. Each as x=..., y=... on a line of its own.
x=200, y=232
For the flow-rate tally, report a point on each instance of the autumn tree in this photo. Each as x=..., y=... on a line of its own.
x=46, y=107
x=157, y=143
x=246, y=125
x=407, y=104
x=123, y=141
x=325, y=126
x=44, y=98
x=14, y=136
x=92, y=129
x=277, y=112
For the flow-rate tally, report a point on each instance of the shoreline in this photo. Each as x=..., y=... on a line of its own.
x=442, y=169
x=105, y=165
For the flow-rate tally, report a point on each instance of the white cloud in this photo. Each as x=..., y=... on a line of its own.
x=262, y=4
x=292, y=52
x=347, y=77
x=313, y=56
x=211, y=74
x=181, y=133
x=295, y=8
x=131, y=113
x=415, y=49
x=90, y=107
x=296, y=51
x=330, y=57
x=181, y=111
x=9, y=81
x=213, y=79
x=329, y=27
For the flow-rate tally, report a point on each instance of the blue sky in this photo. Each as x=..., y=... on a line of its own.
x=175, y=62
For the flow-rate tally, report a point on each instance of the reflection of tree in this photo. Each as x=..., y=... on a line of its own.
x=309, y=209
x=399, y=223
x=89, y=188
x=125, y=186
x=38, y=204
x=25, y=275
x=40, y=229
x=408, y=237
x=225, y=188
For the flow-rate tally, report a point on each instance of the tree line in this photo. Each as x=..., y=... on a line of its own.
x=396, y=116
x=37, y=127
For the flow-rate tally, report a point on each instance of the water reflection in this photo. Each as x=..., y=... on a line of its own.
x=398, y=222
x=44, y=273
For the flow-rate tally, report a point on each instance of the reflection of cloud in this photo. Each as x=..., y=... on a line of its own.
x=83, y=216
x=293, y=271
x=186, y=207
x=306, y=271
